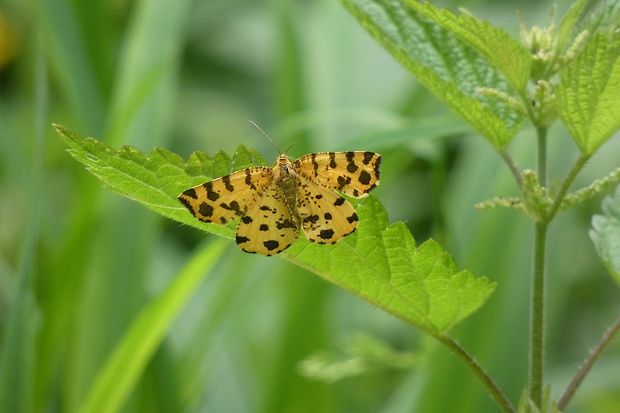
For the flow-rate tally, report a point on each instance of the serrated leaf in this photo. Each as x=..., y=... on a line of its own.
x=148, y=179
x=450, y=67
x=605, y=234
x=379, y=262
x=588, y=96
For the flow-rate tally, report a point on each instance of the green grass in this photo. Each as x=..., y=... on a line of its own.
x=88, y=277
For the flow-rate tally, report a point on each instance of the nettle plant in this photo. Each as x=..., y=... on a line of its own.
x=569, y=72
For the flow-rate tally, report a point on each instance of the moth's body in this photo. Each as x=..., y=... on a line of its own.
x=285, y=176
x=274, y=203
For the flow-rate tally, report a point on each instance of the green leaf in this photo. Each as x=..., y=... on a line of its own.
x=379, y=262
x=120, y=373
x=566, y=27
x=496, y=45
x=588, y=96
x=604, y=19
x=157, y=179
x=605, y=234
x=444, y=57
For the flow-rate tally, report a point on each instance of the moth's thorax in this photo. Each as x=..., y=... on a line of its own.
x=285, y=176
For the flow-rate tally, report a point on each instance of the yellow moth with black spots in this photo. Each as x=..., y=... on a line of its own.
x=274, y=203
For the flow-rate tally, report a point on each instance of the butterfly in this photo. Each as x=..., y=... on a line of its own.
x=274, y=203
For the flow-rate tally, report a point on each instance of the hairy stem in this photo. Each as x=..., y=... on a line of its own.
x=537, y=295
x=542, y=155
x=587, y=364
x=513, y=167
x=537, y=315
x=494, y=391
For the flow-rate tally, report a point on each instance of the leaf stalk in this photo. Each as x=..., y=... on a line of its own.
x=492, y=387
x=587, y=364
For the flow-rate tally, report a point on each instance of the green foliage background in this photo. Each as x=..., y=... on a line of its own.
x=78, y=263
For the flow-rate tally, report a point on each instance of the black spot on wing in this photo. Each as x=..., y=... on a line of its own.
x=271, y=244
x=353, y=218
x=233, y=206
x=248, y=179
x=287, y=223
x=315, y=165
x=187, y=204
x=205, y=210
x=332, y=160
x=364, y=178
x=368, y=157
x=311, y=218
x=227, y=183
x=343, y=181
x=190, y=193
x=339, y=201
x=246, y=219
x=351, y=166
x=211, y=194
x=377, y=167
x=263, y=227
x=241, y=240
x=326, y=234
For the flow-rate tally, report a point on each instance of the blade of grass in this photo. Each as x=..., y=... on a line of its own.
x=115, y=271
x=121, y=372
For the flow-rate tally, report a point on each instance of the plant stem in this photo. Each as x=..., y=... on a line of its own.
x=495, y=392
x=587, y=364
x=572, y=174
x=541, y=163
x=537, y=315
x=537, y=303
x=513, y=167
x=537, y=295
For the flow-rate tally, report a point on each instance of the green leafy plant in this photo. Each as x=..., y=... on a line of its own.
x=497, y=85
x=379, y=262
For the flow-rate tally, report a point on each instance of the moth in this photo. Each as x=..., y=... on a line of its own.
x=274, y=203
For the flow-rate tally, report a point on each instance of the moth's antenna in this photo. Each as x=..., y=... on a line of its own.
x=292, y=144
x=267, y=136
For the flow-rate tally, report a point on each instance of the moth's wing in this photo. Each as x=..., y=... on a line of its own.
x=267, y=227
x=325, y=215
x=225, y=199
x=354, y=173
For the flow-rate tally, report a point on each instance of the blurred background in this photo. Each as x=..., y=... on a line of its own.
x=78, y=262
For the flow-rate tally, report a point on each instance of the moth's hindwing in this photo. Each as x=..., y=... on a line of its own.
x=354, y=173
